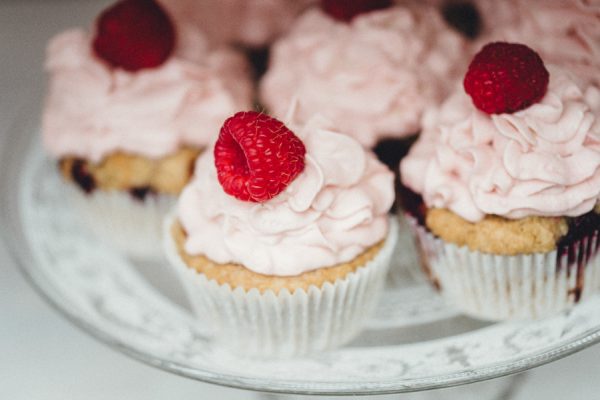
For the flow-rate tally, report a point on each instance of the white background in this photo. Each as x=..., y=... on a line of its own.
x=42, y=356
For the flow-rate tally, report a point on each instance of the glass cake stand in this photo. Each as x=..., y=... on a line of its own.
x=412, y=342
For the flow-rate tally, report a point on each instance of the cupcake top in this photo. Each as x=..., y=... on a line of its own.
x=563, y=32
x=541, y=160
x=95, y=108
x=253, y=23
x=372, y=76
x=332, y=206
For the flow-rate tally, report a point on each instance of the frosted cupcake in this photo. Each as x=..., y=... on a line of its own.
x=371, y=70
x=129, y=110
x=369, y=66
x=509, y=181
x=283, y=241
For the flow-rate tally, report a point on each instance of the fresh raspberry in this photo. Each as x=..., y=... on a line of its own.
x=345, y=10
x=257, y=156
x=505, y=78
x=134, y=34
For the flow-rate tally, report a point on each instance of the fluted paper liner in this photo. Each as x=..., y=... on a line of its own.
x=133, y=226
x=496, y=287
x=284, y=324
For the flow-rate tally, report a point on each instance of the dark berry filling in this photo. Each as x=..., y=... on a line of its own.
x=140, y=193
x=413, y=204
x=259, y=61
x=581, y=228
x=390, y=152
x=464, y=17
x=82, y=177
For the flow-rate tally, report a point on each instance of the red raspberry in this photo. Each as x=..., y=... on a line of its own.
x=257, y=156
x=505, y=78
x=345, y=10
x=134, y=34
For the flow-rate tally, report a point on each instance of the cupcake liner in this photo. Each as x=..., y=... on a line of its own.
x=497, y=287
x=284, y=324
x=133, y=226
x=405, y=268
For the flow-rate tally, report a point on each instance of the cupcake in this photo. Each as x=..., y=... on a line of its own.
x=282, y=242
x=509, y=184
x=127, y=113
x=371, y=70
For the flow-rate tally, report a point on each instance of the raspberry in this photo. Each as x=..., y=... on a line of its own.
x=505, y=78
x=345, y=10
x=257, y=156
x=134, y=34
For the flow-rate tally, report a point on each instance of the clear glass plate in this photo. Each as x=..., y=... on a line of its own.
x=413, y=341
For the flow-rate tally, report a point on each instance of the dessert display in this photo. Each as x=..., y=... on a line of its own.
x=372, y=67
x=129, y=108
x=506, y=186
x=283, y=235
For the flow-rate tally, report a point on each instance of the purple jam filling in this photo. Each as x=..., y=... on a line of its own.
x=82, y=177
x=140, y=193
x=413, y=204
x=464, y=17
x=580, y=227
x=259, y=60
x=583, y=227
x=390, y=152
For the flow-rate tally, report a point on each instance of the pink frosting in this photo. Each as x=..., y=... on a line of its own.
x=372, y=77
x=544, y=160
x=333, y=211
x=566, y=33
x=253, y=23
x=93, y=110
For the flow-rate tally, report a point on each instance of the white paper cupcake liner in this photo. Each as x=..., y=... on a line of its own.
x=133, y=226
x=496, y=287
x=284, y=324
x=405, y=268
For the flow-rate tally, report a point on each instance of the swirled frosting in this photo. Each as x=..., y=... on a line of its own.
x=543, y=160
x=252, y=23
x=565, y=33
x=333, y=211
x=373, y=77
x=93, y=110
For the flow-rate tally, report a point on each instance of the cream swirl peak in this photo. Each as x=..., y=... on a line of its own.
x=543, y=160
x=93, y=110
x=333, y=211
x=373, y=76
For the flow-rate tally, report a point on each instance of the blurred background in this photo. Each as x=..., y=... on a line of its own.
x=44, y=357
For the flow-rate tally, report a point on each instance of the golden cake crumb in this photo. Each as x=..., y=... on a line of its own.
x=238, y=276
x=498, y=235
x=122, y=171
